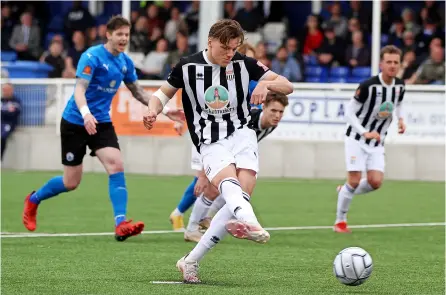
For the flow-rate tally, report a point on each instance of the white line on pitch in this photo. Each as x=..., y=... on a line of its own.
x=42, y=235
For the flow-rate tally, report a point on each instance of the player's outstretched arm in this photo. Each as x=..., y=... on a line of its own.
x=158, y=102
x=81, y=102
x=138, y=92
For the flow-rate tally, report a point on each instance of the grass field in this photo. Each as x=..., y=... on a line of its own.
x=407, y=260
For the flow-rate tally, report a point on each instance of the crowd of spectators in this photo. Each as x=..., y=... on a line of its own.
x=162, y=33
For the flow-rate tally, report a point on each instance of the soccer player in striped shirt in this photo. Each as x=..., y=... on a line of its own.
x=369, y=115
x=218, y=126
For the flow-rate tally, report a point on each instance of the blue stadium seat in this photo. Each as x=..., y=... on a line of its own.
x=316, y=71
x=9, y=56
x=384, y=39
x=361, y=72
x=337, y=80
x=56, y=24
x=312, y=60
x=313, y=79
x=339, y=72
x=355, y=79
x=28, y=69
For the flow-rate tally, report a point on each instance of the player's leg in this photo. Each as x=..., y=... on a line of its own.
x=188, y=199
x=104, y=144
x=355, y=159
x=375, y=172
x=198, y=213
x=73, y=146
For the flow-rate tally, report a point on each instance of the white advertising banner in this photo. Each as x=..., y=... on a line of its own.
x=319, y=115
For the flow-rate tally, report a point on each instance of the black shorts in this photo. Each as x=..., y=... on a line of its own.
x=75, y=139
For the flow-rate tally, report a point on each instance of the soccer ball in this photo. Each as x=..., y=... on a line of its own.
x=353, y=266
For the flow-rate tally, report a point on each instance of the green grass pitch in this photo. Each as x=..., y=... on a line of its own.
x=407, y=260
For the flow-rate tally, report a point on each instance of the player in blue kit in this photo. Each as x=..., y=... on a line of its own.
x=86, y=122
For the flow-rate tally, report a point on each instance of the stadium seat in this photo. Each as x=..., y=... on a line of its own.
x=27, y=69
x=355, y=79
x=316, y=71
x=9, y=56
x=56, y=24
x=312, y=60
x=384, y=40
x=361, y=72
x=273, y=35
x=337, y=80
x=339, y=72
x=313, y=80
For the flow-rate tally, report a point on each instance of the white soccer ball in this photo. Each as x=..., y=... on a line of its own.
x=353, y=266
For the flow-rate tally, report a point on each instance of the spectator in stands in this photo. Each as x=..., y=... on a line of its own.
x=361, y=13
x=408, y=66
x=74, y=54
x=181, y=50
x=7, y=21
x=409, y=42
x=174, y=25
x=102, y=29
x=331, y=53
x=410, y=24
x=157, y=35
x=353, y=26
x=92, y=37
x=261, y=54
x=153, y=64
x=165, y=11
x=154, y=20
x=286, y=65
x=134, y=15
x=337, y=21
x=357, y=55
x=432, y=71
x=77, y=19
x=249, y=18
x=11, y=108
x=139, y=40
x=247, y=50
x=6, y=36
x=433, y=10
x=387, y=16
x=313, y=35
x=55, y=58
x=428, y=32
x=229, y=10
x=396, y=33
x=292, y=47
x=192, y=17
x=25, y=38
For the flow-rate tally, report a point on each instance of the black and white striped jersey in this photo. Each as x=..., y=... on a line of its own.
x=215, y=99
x=256, y=115
x=378, y=102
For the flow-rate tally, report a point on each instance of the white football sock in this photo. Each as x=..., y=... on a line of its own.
x=232, y=193
x=363, y=187
x=215, y=233
x=344, y=199
x=177, y=212
x=199, y=210
x=218, y=203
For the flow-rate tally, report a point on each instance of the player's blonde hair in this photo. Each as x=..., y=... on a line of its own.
x=225, y=30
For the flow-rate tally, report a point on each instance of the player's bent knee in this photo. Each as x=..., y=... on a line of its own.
x=71, y=184
x=353, y=179
x=211, y=192
x=375, y=183
x=115, y=166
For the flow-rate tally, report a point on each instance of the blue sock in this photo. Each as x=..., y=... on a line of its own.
x=118, y=196
x=51, y=189
x=188, y=197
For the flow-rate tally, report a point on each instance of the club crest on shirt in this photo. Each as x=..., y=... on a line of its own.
x=113, y=83
x=87, y=70
x=230, y=75
x=124, y=69
x=216, y=99
x=385, y=110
